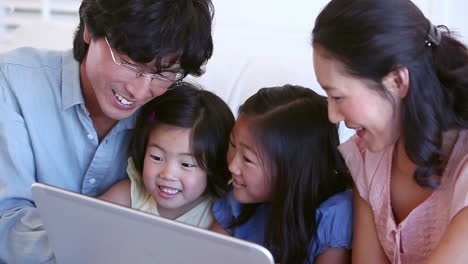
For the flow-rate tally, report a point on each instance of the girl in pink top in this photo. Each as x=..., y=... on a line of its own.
x=402, y=84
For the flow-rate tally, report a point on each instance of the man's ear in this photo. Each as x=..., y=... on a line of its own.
x=86, y=35
x=397, y=82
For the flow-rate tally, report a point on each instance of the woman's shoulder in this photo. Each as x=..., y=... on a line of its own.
x=457, y=173
x=457, y=167
x=461, y=144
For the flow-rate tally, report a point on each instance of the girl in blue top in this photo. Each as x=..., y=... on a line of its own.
x=289, y=181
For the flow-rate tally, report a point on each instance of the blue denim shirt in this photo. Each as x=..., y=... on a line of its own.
x=334, y=218
x=46, y=135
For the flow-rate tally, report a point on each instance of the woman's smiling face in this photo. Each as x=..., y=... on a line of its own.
x=375, y=118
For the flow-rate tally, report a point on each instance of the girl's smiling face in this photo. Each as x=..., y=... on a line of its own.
x=251, y=183
x=170, y=171
x=375, y=118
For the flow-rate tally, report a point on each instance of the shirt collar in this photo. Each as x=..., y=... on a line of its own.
x=71, y=87
x=129, y=122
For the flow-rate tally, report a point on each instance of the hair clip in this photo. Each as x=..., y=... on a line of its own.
x=152, y=116
x=428, y=43
x=434, y=36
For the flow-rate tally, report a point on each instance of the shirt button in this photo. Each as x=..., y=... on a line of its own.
x=90, y=137
x=92, y=181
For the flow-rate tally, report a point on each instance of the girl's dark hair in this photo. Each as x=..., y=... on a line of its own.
x=373, y=38
x=147, y=30
x=292, y=130
x=210, y=119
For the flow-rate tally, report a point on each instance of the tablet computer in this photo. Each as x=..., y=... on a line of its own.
x=82, y=229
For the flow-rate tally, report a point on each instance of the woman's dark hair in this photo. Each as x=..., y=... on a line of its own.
x=374, y=37
x=210, y=119
x=294, y=135
x=147, y=30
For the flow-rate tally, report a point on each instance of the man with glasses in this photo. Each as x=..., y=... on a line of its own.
x=66, y=116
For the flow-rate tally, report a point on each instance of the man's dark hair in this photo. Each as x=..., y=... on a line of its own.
x=147, y=30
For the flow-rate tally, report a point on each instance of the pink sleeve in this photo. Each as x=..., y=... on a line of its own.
x=460, y=193
x=353, y=153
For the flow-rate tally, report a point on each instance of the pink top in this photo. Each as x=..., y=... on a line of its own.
x=414, y=239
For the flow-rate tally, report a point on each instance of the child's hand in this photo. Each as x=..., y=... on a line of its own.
x=216, y=227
